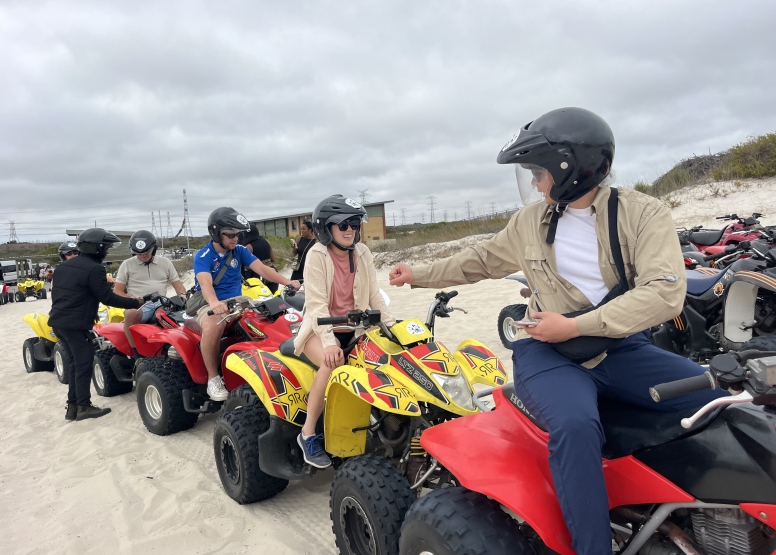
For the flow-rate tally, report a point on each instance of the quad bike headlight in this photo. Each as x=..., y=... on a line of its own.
x=103, y=316
x=456, y=387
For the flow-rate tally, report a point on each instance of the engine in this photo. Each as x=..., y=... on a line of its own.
x=731, y=532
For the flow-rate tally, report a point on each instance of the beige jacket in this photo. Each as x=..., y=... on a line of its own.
x=650, y=249
x=318, y=277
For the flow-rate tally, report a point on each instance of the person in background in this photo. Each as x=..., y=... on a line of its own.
x=300, y=247
x=262, y=250
x=142, y=274
x=81, y=287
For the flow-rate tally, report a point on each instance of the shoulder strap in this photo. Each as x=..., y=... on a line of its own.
x=222, y=271
x=614, y=238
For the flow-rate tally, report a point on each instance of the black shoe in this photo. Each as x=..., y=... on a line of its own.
x=71, y=411
x=90, y=411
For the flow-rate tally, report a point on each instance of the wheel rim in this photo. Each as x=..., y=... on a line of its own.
x=358, y=531
x=28, y=357
x=59, y=365
x=508, y=329
x=229, y=460
x=99, y=379
x=153, y=402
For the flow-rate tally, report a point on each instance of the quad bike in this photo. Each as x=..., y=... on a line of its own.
x=397, y=383
x=713, y=241
x=171, y=383
x=512, y=313
x=30, y=288
x=703, y=484
x=110, y=314
x=43, y=352
x=724, y=309
x=255, y=289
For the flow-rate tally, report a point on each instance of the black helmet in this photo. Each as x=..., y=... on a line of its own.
x=141, y=242
x=225, y=218
x=95, y=242
x=66, y=248
x=333, y=210
x=575, y=145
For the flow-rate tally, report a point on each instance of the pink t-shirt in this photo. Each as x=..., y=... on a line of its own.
x=341, y=301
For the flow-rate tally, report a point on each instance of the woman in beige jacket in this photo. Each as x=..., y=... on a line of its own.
x=339, y=276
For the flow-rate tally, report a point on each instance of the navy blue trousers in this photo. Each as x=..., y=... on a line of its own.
x=563, y=396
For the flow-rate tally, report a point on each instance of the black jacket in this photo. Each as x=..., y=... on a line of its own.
x=79, y=287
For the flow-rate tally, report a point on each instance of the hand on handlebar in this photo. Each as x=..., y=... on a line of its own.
x=296, y=284
x=400, y=274
x=333, y=356
x=219, y=308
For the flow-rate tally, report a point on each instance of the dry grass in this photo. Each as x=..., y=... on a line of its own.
x=412, y=236
x=754, y=158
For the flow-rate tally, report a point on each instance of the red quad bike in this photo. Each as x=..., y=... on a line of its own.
x=171, y=384
x=703, y=484
x=114, y=367
x=714, y=241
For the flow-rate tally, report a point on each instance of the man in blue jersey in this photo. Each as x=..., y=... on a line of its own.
x=225, y=226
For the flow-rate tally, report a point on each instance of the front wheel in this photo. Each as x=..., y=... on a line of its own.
x=236, y=446
x=369, y=498
x=507, y=316
x=160, y=396
x=32, y=364
x=106, y=384
x=457, y=521
x=62, y=362
x=20, y=298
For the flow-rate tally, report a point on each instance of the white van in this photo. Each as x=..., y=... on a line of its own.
x=8, y=269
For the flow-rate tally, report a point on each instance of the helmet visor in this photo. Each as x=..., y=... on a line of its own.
x=337, y=218
x=533, y=182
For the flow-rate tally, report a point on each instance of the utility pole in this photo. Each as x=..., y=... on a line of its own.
x=492, y=208
x=12, y=237
x=403, y=216
x=445, y=215
x=431, y=206
x=363, y=195
x=423, y=217
x=153, y=225
x=169, y=226
x=393, y=214
x=186, y=221
x=468, y=210
x=161, y=235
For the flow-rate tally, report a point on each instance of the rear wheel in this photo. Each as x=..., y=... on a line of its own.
x=457, y=521
x=236, y=447
x=31, y=364
x=106, y=384
x=507, y=316
x=43, y=294
x=62, y=362
x=369, y=498
x=243, y=396
x=20, y=298
x=160, y=396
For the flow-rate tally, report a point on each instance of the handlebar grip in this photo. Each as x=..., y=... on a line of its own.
x=669, y=390
x=334, y=320
x=452, y=294
x=210, y=313
x=716, y=256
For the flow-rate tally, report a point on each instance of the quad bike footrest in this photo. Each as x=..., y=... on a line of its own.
x=123, y=368
x=197, y=403
x=279, y=452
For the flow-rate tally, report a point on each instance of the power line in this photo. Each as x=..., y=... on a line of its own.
x=153, y=225
x=431, y=206
x=403, y=216
x=468, y=210
x=169, y=226
x=363, y=195
x=12, y=237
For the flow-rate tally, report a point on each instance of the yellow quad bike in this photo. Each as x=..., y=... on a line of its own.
x=255, y=289
x=397, y=382
x=40, y=352
x=34, y=288
x=110, y=314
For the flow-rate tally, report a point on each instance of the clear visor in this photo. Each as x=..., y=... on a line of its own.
x=533, y=182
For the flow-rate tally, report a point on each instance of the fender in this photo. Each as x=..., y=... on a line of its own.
x=115, y=334
x=141, y=333
x=740, y=299
x=186, y=343
x=480, y=364
x=350, y=395
x=478, y=448
x=39, y=324
x=282, y=383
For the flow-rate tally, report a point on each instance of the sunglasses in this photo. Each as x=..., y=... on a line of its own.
x=230, y=235
x=354, y=224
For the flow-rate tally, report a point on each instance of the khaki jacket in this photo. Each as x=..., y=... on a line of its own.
x=318, y=278
x=653, y=260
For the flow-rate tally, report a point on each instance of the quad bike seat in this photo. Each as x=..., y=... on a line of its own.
x=297, y=301
x=707, y=237
x=193, y=325
x=180, y=317
x=700, y=282
x=287, y=349
x=627, y=428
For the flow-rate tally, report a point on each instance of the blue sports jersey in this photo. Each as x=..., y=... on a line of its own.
x=208, y=259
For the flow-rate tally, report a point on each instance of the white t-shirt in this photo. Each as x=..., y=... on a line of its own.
x=576, y=253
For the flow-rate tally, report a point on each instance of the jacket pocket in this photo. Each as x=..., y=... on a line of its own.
x=628, y=259
x=538, y=271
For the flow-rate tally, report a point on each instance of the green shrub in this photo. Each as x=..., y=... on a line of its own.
x=675, y=179
x=643, y=187
x=184, y=264
x=281, y=246
x=755, y=158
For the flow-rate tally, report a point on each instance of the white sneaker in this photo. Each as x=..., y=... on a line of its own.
x=216, y=389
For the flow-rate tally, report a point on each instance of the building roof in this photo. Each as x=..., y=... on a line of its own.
x=77, y=232
x=309, y=212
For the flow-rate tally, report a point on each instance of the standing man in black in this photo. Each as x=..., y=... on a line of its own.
x=262, y=250
x=303, y=243
x=81, y=286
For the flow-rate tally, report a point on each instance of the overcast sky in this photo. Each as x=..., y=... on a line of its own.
x=108, y=110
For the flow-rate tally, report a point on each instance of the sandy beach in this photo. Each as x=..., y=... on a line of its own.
x=109, y=486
